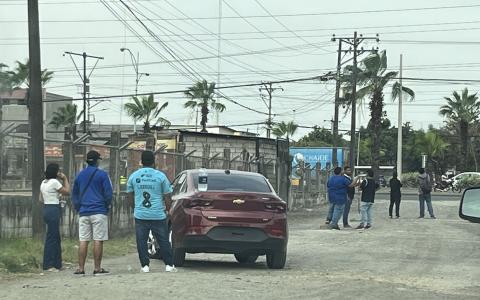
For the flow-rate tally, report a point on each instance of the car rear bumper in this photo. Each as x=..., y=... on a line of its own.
x=232, y=240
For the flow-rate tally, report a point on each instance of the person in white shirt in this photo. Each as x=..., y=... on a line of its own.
x=50, y=190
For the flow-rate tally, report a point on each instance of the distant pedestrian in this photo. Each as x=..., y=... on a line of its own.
x=51, y=189
x=337, y=192
x=149, y=191
x=350, y=195
x=425, y=193
x=92, y=197
x=368, y=187
x=395, y=195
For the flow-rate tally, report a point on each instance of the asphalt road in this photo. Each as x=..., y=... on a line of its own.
x=406, y=258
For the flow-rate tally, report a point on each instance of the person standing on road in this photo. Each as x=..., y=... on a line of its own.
x=425, y=193
x=149, y=192
x=337, y=192
x=395, y=195
x=92, y=196
x=368, y=187
x=350, y=195
x=50, y=191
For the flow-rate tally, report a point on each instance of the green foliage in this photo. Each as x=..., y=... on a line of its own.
x=468, y=182
x=319, y=137
x=283, y=129
x=65, y=116
x=21, y=75
x=148, y=110
x=410, y=179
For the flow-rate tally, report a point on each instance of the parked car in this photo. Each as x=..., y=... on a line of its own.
x=466, y=176
x=470, y=205
x=239, y=214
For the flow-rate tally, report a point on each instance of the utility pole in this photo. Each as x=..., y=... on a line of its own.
x=337, y=104
x=267, y=86
x=354, y=42
x=85, y=80
x=400, y=129
x=35, y=103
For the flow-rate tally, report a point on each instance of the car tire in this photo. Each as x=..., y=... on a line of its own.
x=246, y=259
x=178, y=256
x=152, y=247
x=276, y=259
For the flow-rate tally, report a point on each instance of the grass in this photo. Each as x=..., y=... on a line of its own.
x=25, y=255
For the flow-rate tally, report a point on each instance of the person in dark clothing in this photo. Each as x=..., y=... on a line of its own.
x=368, y=187
x=395, y=195
x=350, y=195
x=337, y=194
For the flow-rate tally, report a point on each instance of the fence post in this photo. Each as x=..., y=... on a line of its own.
x=205, y=155
x=226, y=159
x=318, y=178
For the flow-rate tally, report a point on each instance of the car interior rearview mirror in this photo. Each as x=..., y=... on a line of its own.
x=470, y=205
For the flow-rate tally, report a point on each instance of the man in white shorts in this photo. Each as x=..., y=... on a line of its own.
x=92, y=197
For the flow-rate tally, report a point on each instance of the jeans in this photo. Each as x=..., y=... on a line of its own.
x=395, y=202
x=159, y=230
x=425, y=198
x=330, y=211
x=52, y=252
x=337, y=213
x=366, y=212
x=346, y=211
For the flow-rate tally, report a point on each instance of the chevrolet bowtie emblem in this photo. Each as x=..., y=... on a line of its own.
x=238, y=201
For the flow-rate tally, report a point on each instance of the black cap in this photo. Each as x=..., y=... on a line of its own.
x=148, y=158
x=93, y=156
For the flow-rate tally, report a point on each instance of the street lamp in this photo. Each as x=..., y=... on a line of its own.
x=135, y=62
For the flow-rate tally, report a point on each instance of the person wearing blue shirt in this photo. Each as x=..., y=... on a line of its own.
x=337, y=192
x=92, y=196
x=149, y=192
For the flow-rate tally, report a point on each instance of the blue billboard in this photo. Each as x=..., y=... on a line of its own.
x=313, y=155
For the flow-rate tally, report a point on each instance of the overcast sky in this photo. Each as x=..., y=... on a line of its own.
x=281, y=40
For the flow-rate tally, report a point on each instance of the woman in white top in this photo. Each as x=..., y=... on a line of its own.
x=51, y=189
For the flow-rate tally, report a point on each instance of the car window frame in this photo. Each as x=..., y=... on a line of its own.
x=178, y=181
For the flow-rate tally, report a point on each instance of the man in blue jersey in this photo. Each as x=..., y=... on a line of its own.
x=92, y=198
x=337, y=193
x=149, y=191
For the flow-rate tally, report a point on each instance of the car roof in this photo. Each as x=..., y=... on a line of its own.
x=221, y=171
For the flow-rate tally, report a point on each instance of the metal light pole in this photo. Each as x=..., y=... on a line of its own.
x=138, y=75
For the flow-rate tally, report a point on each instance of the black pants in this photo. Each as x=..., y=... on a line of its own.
x=395, y=201
x=159, y=230
x=52, y=253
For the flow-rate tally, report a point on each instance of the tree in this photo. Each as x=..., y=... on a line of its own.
x=5, y=79
x=372, y=76
x=147, y=109
x=433, y=146
x=319, y=137
x=462, y=111
x=285, y=129
x=201, y=96
x=65, y=116
x=21, y=75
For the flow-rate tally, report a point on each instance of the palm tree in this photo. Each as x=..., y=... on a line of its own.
x=433, y=146
x=147, y=109
x=462, y=111
x=65, y=116
x=372, y=76
x=285, y=129
x=21, y=74
x=201, y=96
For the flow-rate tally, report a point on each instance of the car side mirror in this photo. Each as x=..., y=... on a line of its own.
x=470, y=205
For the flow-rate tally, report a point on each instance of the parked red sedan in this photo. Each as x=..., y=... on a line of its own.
x=236, y=213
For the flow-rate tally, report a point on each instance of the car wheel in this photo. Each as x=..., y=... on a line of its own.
x=178, y=256
x=276, y=259
x=246, y=259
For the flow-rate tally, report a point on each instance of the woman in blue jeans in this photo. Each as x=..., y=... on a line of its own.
x=51, y=189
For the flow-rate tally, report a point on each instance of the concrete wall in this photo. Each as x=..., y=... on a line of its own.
x=16, y=217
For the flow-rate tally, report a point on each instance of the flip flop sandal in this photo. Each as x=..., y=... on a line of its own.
x=78, y=272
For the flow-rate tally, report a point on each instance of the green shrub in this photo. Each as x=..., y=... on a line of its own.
x=468, y=182
x=410, y=180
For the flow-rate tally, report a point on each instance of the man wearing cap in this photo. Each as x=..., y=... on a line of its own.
x=149, y=192
x=92, y=197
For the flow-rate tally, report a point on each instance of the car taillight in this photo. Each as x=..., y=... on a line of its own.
x=278, y=207
x=197, y=203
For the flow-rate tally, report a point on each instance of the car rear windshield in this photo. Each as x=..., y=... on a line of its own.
x=235, y=182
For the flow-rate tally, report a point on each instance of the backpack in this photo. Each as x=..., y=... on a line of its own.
x=426, y=185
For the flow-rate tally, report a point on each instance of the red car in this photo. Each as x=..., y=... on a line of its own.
x=239, y=214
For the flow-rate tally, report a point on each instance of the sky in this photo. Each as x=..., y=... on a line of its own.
x=260, y=40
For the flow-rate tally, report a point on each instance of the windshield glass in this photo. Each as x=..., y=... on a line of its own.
x=235, y=182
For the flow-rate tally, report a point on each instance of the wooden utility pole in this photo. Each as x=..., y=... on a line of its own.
x=35, y=101
x=267, y=86
x=337, y=104
x=400, y=131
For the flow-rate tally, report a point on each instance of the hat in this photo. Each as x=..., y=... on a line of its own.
x=148, y=158
x=93, y=156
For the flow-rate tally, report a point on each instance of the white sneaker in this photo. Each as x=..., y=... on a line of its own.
x=170, y=269
x=145, y=269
